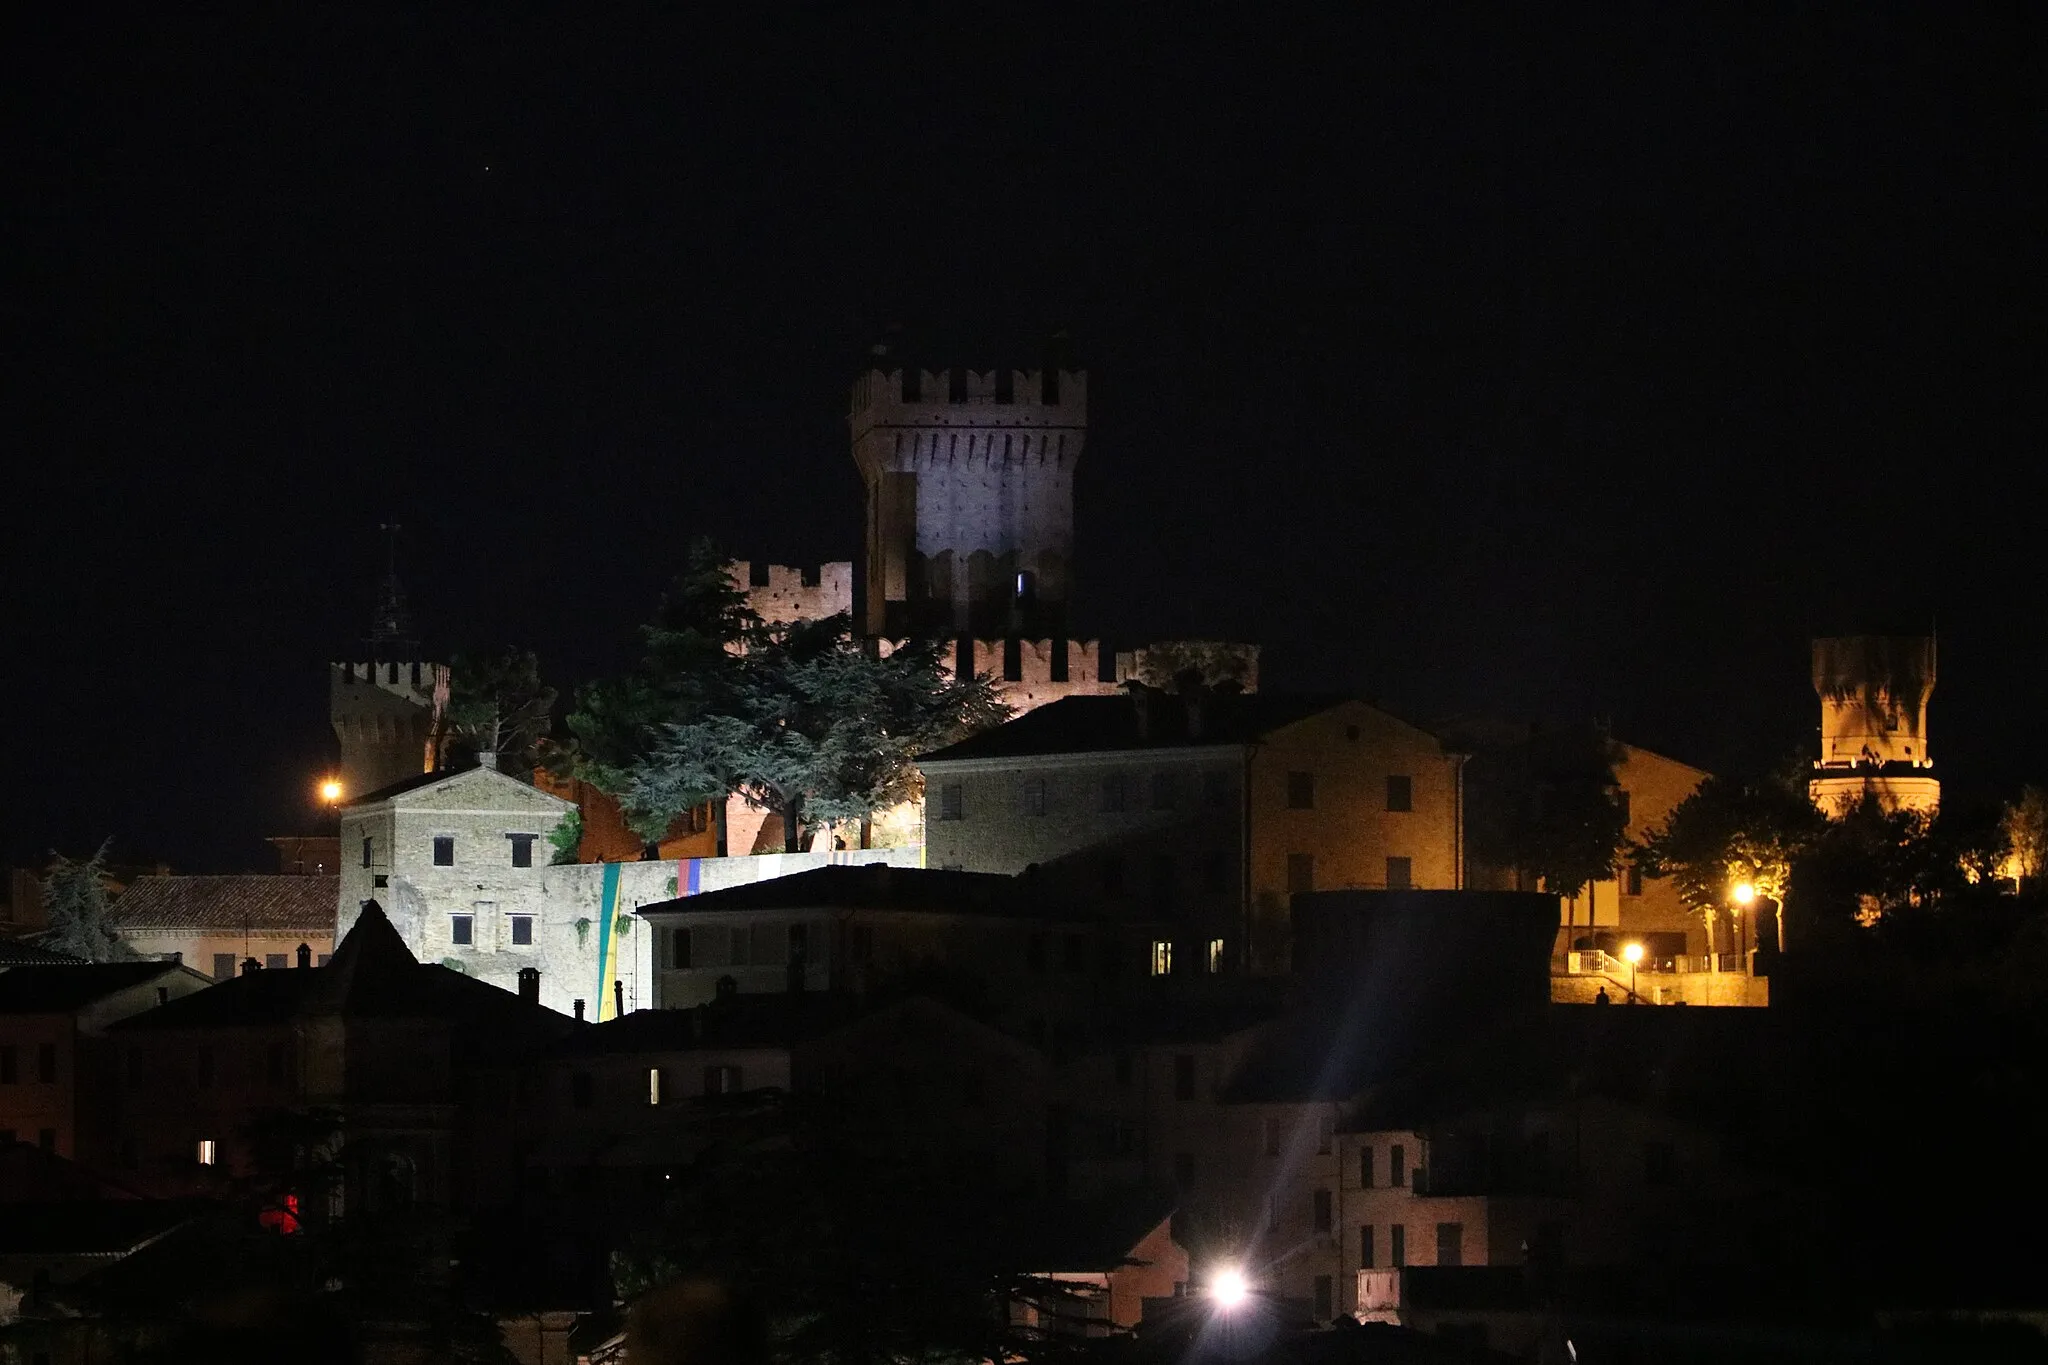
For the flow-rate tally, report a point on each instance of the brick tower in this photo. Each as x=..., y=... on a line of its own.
x=1873, y=723
x=385, y=707
x=970, y=499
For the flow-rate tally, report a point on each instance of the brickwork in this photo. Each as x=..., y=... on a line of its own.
x=785, y=594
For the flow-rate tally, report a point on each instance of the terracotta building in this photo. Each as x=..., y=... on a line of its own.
x=214, y=924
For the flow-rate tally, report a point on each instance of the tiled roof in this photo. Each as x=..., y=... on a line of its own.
x=61, y=988
x=16, y=952
x=303, y=905
x=1074, y=725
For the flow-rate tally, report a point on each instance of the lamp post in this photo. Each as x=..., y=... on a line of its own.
x=330, y=791
x=1632, y=953
x=1743, y=894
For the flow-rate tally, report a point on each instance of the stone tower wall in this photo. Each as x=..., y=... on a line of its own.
x=970, y=498
x=384, y=715
x=790, y=594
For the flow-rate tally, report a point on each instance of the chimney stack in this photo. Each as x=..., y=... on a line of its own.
x=618, y=998
x=579, y=1011
x=529, y=985
x=250, y=964
x=305, y=955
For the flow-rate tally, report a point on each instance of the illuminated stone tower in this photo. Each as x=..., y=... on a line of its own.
x=385, y=708
x=1873, y=722
x=970, y=499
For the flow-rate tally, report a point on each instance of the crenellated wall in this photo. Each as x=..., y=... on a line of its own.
x=779, y=593
x=384, y=715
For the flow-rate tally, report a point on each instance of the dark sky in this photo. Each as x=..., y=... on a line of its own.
x=1503, y=363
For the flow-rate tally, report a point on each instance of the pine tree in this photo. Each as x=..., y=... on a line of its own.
x=78, y=912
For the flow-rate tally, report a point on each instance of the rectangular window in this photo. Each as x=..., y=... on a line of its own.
x=522, y=931
x=274, y=962
x=10, y=1065
x=1301, y=791
x=461, y=930
x=444, y=850
x=1400, y=874
x=1365, y=1246
x=1634, y=884
x=1397, y=1246
x=1400, y=792
x=654, y=1085
x=1365, y=1164
x=378, y=881
x=223, y=966
x=46, y=1063
x=207, y=1153
x=1397, y=1165
x=1326, y=1134
x=1621, y=803
x=799, y=943
x=366, y=851
x=1450, y=1244
x=1301, y=873
x=1322, y=1209
x=1034, y=796
x=721, y=1080
x=1162, y=957
x=1215, y=956
x=952, y=802
x=1115, y=792
x=1216, y=789
x=1164, y=791
x=679, y=949
x=1326, y=1302
x=522, y=849
x=1184, y=1075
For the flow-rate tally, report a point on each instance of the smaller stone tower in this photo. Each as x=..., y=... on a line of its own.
x=1873, y=693
x=386, y=706
x=970, y=499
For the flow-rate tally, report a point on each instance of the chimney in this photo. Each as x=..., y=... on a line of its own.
x=618, y=998
x=579, y=1011
x=487, y=759
x=305, y=955
x=529, y=985
x=250, y=964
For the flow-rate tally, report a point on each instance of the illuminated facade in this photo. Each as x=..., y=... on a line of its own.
x=1873, y=693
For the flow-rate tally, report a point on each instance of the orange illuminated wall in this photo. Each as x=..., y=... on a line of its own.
x=608, y=839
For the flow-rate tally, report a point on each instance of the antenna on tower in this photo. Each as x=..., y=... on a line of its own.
x=391, y=634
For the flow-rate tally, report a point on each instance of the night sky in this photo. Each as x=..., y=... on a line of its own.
x=1472, y=364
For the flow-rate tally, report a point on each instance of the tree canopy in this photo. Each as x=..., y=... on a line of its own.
x=79, y=914
x=1546, y=805
x=498, y=705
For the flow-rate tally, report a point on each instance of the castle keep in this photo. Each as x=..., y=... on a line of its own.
x=970, y=498
x=1873, y=693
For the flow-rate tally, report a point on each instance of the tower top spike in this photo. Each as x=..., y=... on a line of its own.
x=391, y=633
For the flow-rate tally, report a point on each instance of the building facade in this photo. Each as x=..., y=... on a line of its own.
x=1873, y=692
x=215, y=924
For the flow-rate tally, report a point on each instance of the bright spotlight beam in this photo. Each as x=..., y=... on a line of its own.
x=1228, y=1288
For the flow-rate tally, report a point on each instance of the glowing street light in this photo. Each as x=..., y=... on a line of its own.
x=1229, y=1287
x=1632, y=953
x=330, y=791
x=1743, y=892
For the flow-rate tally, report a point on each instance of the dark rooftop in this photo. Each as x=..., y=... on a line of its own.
x=63, y=987
x=273, y=903
x=89, y=1227
x=777, y=1020
x=1074, y=725
x=19, y=952
x=874, y=886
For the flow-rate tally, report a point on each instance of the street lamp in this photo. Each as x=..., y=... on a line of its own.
x=1228, y=1287
x=330, y=791
x=1744, y=896
x=1632, y=953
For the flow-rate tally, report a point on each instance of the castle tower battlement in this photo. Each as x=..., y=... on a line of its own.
x=1873, y=692
x=970, y=498
x=386, y=715
x=779, y=593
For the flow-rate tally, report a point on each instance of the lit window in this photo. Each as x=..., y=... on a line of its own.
x=1215, y=956
x=522, y=931
x=1162, y=957
x=206, y=1152
x=654, y=1085
x=444, y=850
x=462, y=930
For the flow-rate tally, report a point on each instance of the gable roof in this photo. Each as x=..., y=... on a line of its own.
x=870, y=886
x=1109, y=724
x=738, y=1021
x=259, y=903
x=63, y=987
x=467, y=781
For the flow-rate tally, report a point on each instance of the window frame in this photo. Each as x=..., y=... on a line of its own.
x=444, y=843
x=462, y=929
